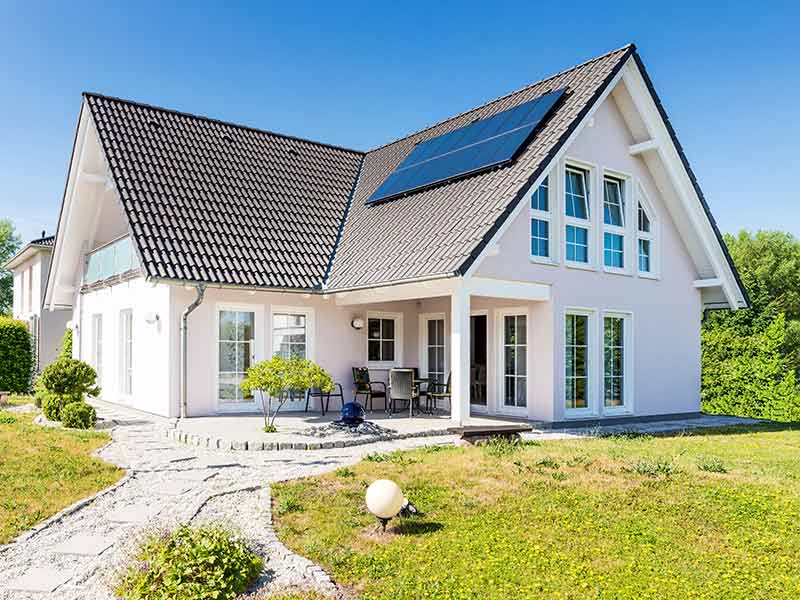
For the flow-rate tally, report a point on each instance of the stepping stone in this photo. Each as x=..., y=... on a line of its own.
x=84, y=544
x=181, y=458
x=39, y=579
x=198, y=476
x=134, y=513
x=172, y=488
x=219, y=464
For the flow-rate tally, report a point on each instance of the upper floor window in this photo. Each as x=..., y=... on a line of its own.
x=576, y=210
x=114, y=258
x=613, y=223
x=645, y=241
x=540, y=221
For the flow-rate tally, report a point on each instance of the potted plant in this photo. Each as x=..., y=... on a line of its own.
x=277, y=378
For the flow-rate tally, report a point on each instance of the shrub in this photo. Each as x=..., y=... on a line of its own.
x=65, y=351
x=654, y=467
x=711, y=464
x=78, y=415
x=16, y=358
x=189, y=563
x=63, y=382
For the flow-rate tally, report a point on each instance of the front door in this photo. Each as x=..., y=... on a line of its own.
x=236, y=345
x=477, y=362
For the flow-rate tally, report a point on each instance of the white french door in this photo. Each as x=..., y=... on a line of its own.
x=236, y=343
x=290, y=337
x=513, y=346
x=434, y=347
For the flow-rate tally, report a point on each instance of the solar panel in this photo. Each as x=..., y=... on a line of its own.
x=481, y=145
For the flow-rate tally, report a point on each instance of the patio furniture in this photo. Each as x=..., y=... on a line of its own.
x=365, y=387
x=419, y=382
x=325, y=397
x=438, y=391
x=402, y=388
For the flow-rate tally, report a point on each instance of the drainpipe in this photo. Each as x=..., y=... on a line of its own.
x=201, y=290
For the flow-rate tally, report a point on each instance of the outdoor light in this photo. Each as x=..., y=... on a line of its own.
x=151, y=318
x=357, y=323
x=384, y=500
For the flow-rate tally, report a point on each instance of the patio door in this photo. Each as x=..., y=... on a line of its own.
x=236, y=343
x=478, y=362
x=514, y=363
x=290, y=337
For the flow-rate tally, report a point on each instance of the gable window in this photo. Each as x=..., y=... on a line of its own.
x=613, y=223
x=644, y=241
x=384, y=339
x=576, y=362
x=126, y=351
x=540, y=221
x=576, y=210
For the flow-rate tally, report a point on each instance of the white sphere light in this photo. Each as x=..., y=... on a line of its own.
x=384, y=499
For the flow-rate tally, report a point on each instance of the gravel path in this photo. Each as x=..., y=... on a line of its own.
x=172, y=483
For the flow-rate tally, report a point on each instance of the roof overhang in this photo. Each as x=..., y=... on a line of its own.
x=28, y=252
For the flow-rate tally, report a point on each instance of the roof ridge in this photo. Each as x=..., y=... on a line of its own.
x=219, y=121
x=504, y=96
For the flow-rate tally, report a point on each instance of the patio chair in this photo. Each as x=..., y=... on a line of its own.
x=364, y=387
x=420, y=382
x=438, y=391
x=402, y=388
x=325, y=397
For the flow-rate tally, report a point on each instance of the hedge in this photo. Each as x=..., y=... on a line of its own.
x=16, y=357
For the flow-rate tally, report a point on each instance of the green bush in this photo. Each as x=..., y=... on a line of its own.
x=65, y=351
x=16, y=358
x=201, y=563
x=63, y=382
x=78, y=415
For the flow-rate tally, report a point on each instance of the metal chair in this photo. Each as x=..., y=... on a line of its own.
x=364, y=387
x=438, y=391
x=419, y=382
x=402, y=388
x=325, y=397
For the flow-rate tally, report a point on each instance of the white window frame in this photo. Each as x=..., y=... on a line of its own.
x=97, y=346
x=546, y=216
x=258, y=345
x=125, y=353
x=398, y=340
x=628, y=363
x=629, y=218
x=653, y=235
x=590, y=170
x=591, y=366
x=424, y=367
x=499, y=341
x=307, y=312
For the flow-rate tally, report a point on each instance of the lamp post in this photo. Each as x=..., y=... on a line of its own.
x=384, y=500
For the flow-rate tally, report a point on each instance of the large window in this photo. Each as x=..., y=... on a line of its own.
x=97, y=345
x=613, y=223
x=126, y=351
x=613, y=362
x=112, y=259
x=577, y=214
x=540, y=221
x=235, y=340
x=644, y=241
x=576, y=361
x=515, y=359
x=289, y=335
x=382, y=339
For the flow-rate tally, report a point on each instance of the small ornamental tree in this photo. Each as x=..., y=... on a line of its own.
x=63, y=382
x=278, y=378
x=65, y=351
x=16, y=357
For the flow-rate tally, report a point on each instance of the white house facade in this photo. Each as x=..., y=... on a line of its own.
x=565, y=282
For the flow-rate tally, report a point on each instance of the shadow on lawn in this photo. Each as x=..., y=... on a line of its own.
x=411, y=527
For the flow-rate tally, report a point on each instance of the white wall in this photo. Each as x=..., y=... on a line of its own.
x=151, y=360
x=666, y=311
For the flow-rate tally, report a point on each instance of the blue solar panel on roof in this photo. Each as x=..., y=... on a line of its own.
x=481, y=145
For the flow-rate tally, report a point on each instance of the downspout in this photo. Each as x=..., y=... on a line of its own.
x=201, y=290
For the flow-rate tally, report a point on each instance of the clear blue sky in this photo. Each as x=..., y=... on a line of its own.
x=360, y=75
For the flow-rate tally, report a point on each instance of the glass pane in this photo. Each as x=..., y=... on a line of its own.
x=612, y=205
x=432, y=366
x=510, y=329
x=508, y=398
x=387, y=329
x=387, y=350
x=432, y=332
x=522, y=329
x=244, y=355
x=373, y=350
x=374, y=329
x=644, y=220
x=522, y=358
x=245, y=325
x=227, y=356
x=522, y=391
x=440, y=331
x=439, y=364
x=510, y=360
x=579, y=354
x=227, y=325
x=581, y=401
x=581, y=325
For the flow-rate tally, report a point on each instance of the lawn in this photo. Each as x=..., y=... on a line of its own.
x=44, y=470
x=712, y=515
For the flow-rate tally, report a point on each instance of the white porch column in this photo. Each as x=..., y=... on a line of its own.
x=459, y=355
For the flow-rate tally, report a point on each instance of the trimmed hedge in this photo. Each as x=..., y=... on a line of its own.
x=16, y=357
x=78, y=415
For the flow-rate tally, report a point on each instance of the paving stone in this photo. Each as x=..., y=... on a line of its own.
x=40, y=579
x=198, y=476
x=172, y=488
x=182, y=457
x=134, y=513
x=84, y=544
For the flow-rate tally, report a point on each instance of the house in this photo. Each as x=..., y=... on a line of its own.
x=550, y=249
x=30, y=268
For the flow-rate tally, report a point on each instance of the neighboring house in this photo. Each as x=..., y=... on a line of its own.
x=556, y=258
x=30, y=267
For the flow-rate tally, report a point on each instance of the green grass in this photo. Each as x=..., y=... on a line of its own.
x=19, y=400
x=44, y=470
x=712, y=515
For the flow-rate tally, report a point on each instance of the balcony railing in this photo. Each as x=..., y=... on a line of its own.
x=112, y=259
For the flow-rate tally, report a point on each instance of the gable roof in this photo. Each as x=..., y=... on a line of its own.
x=219, y=203
x=29, y=249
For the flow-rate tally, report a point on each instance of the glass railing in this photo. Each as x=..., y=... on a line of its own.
x=112, y=259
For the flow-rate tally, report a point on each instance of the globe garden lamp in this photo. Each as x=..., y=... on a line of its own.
x=384, y=500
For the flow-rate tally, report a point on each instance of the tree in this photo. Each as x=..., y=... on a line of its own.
x=10, y=241
x=277, y=378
